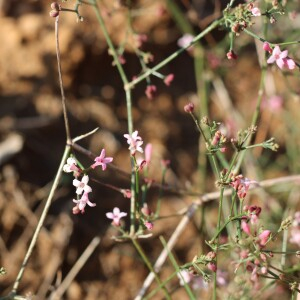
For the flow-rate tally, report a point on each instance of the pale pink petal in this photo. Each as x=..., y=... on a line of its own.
x=290, y=64
x=284, y=54
x=280, y=63
x=116, y=211
x=76, y=182
x=85, y=179
x=110, y=215
x=271, y=59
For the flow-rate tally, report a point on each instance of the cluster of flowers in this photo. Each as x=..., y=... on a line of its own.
x=83, y=189
x=255, y=264
x=241, y=185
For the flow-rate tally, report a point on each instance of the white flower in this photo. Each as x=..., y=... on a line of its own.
x=82, y=186
x=135, y=142
x=70, y=166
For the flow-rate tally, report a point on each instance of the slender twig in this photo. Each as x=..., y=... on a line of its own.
x=41, y=221
x=129, y=109
x=63, y=98
x=173, y=55
x=149, y=265
x=58, y=293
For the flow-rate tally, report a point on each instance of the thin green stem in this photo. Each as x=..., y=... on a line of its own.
x=256, y=113
x=41, y=220
x=129, y=110
x=218, y=232
x=175, y=265
x=174, y=55
x=150, y=267
x=63, y=98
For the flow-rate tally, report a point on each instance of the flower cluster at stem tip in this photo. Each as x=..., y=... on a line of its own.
x=82, y=188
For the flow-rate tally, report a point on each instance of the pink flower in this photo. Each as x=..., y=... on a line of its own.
x=126, y=193
x=140, y=39
x=295, y=236
x=295, y=230
x=150, y=91
x=146, y=210
x=189, y=108
x=116, y=215
x=148, y=153
x=212, y=266
x=185, y=40
x=231, y=55
x=70, y=166
x=264, y=237
x=82, y=186
x=255, y=12
x=83, y=201
x=281, y=58
x=168, y=79
x=102, y=160
x=246, y=227
x=149, y=225
x=221, y=278
x=296, y=221
x=184, y=277
x=135, y=142
x=241, y=185
x=274, y=103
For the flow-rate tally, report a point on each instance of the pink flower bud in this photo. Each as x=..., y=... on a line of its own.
x=211, y=255
x=216, y=138
x=150, y=91
x=212, y=266
x=244, y=254
x=55, y=6
x=75, y=210
x=189, y=108
x=54, y=13
x=148, y=225
x=165, y=163
x=256, y=11
x=126, y=193
x=231, y=55
x=266, y=47
x=246, y=227
x=146, y=210
x=264, y=237
x=168, y=79
x=264, y=270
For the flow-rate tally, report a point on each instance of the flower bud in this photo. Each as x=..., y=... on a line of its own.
x=266, y=47
x=189, y=108
x=148, y=225
x=54, y=13
x=168, y=79
x=231, y=55
x=55, y=6
x=212, y=266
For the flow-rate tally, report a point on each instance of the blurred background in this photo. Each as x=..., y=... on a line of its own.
x=32, y=135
